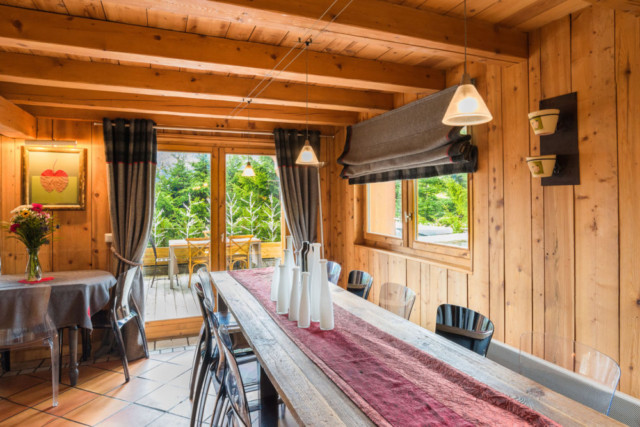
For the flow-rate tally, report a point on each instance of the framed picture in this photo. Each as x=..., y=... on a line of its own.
x=54, y=177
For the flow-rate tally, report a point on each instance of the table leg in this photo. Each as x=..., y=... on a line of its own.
x=86, y=344
x=268, y=401
x=6, y=361
x=73, y=355
x=172, y=260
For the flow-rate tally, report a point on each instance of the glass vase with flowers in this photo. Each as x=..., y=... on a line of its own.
x=33, y=226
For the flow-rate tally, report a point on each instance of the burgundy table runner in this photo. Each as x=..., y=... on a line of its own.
x=391, y=381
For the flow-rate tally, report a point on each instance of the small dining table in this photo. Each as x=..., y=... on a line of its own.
x=317, y=396
x=256, y=247
x=75, y=297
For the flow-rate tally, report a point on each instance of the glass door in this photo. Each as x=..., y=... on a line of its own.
x=180, y=234
x=253, y=217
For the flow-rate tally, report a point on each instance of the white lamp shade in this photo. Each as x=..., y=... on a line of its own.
x=248, y=170
x=467, y=108
x=307, y=156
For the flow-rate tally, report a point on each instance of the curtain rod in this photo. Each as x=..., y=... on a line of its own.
x=250, y=132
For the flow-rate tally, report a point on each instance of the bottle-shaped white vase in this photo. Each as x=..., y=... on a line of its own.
x=289, y=263
x=304, y=313
x=294, y=298
x=275, y=280
x=282, y=305
x=326, y=302
x=314, y=283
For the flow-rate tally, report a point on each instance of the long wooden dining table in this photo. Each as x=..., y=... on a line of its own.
x=314, y=399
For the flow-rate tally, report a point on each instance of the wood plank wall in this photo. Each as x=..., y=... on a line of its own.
x=80, y=242
x=562, y=260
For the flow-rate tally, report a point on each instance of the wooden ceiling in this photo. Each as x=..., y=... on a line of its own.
x=196, y=62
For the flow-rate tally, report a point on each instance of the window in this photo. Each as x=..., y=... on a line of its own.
x=442, y=210
x=385, y=209
x=427, y=218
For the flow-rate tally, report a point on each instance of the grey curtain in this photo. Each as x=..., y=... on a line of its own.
x=131, y=152
x=298, y=184
x=407, y=143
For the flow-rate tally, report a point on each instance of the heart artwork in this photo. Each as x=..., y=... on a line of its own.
x=51, y=180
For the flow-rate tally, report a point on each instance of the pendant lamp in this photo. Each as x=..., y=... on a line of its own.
x=467, y=106
x=307, y=156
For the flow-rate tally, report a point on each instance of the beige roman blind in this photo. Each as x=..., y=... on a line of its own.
x=407, y=143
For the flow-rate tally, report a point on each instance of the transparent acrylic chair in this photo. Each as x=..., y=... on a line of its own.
x=397, y=299
x=464, y=326
x=25, y=322
x=568, y=367
x=333, y=272
x=359, y=283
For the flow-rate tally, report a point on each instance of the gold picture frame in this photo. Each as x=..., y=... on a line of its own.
x=54, y=177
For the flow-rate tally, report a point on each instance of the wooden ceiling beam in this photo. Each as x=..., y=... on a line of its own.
x=44, y=31
x=628, y=6
x=94, y=100
x=371, y=21
x=67, y=73
x=166, y=120
x=15, y=122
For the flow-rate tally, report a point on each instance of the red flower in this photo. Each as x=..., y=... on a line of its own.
x=36, y=207
x=13, y=228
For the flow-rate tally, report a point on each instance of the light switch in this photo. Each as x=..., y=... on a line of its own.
x=108, y=238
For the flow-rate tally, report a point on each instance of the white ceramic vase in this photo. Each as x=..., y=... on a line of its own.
x=282, y=305
x=294, y=298
x=275, y=280
x=314, y=283
x=304, y=313
x=326, y=302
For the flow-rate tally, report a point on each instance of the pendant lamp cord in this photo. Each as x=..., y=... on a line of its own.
x=306, y=70
x=465, y=36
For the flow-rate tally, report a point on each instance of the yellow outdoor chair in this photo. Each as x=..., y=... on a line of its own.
x=199, y=253
x=238, y=251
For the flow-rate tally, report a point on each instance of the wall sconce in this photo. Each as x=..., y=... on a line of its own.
x=557, y=125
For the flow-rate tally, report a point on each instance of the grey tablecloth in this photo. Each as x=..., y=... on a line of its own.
x=75, y=295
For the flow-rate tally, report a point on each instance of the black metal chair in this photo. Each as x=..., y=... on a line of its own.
x=397, y=299
x=122, y=309
x=464, y=326
x=157, y=260
x=333, y=272
x=360, y=283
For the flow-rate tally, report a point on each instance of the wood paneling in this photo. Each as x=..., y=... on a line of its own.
x=627, y=40
x=561, y=260
x=79, y=244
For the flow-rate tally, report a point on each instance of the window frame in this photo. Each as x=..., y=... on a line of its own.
x=445, y=255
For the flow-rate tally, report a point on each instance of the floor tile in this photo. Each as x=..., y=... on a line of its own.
x=164, y=398
x=61, y=422
x=134, y=389
x=170, y=420
x=103, y=383
x=97, y=410
x=163, y=357
x=164, y=373
x=110, y=365
x=15, y=384
x=183, y=358
x=68, y=400
x=36, y=394
x=164, y=344
x=9, y=409
x=132, y=415
x=28, y=417
x=182, y=380
x=85, y=374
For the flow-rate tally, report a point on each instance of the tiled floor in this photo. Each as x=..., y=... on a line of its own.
x=157, y=394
